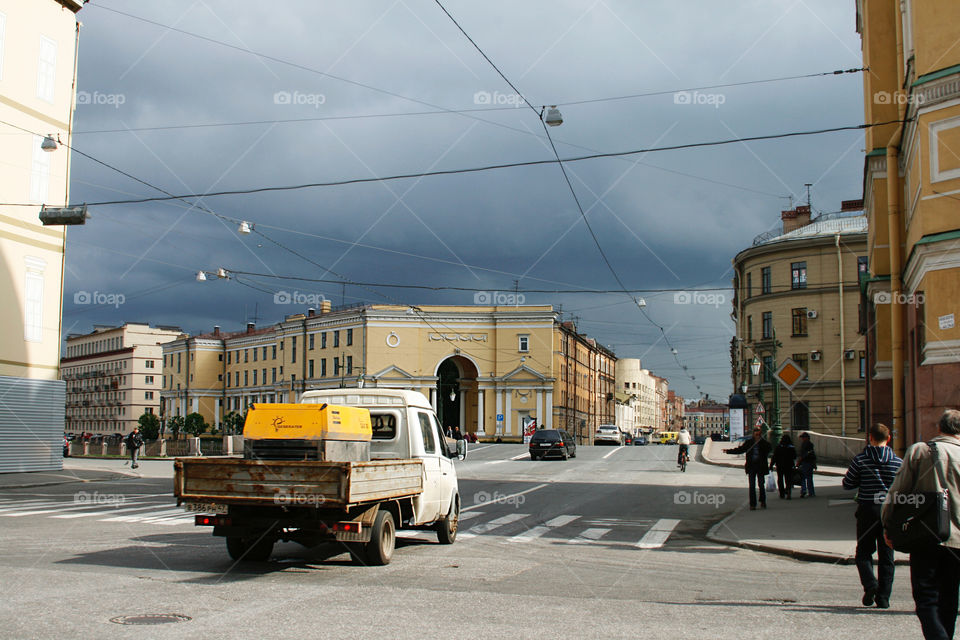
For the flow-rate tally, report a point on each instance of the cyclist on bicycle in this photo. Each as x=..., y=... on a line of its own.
x=684, y=440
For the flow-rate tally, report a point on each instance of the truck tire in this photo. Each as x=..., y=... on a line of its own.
x=383, y=537
x=447, y=528
x=249, y=549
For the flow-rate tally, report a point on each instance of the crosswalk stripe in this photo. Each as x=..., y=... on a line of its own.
x=107, y=512
x=560, y=521
x=73, y=507
x=471, y=514
x=658, y=534
x=541, y=530
x=496, y=523
x=589, y=535
x=142, y=517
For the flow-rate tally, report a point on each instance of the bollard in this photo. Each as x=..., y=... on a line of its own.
x=163, y=448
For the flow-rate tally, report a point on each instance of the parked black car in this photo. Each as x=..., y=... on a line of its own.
x=699, y=439
x=552, y=442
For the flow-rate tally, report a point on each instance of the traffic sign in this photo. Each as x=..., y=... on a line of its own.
x=499, y=417
x=759, y=421
x=790, y=374
x=760, y=409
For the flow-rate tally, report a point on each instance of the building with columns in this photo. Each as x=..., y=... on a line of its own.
x=488, y=370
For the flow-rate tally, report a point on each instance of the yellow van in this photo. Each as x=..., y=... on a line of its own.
x=668, y=437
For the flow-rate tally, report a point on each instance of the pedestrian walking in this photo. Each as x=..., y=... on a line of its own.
x=806, y=462
x=134, y=442
x=784, y=458
x=872, y=472
x=934, y=570
x=757, y=453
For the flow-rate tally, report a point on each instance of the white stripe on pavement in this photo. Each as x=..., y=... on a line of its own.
x=589, y=535
x=658, y=534
x=472, y=514
x=612, y=452
x=504, y=499
x=539, y=531
x=522, y=455
x=496, y=523
x=141, y=517
x=108, y=512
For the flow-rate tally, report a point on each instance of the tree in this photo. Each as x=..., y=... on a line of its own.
x=149, y=426
x=194, y=424
x=175, y=424
x=233, y=423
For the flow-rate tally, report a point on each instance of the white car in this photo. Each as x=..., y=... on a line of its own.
x=608, y=434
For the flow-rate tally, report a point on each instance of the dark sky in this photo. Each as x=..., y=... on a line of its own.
x=666, y=220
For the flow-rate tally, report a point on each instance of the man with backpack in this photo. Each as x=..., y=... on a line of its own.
x=872, y=472
x=134, y=442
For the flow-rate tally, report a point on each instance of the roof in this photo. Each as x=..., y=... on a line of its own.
x=825, y=226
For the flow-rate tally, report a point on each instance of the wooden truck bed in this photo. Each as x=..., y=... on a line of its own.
x=295, y=483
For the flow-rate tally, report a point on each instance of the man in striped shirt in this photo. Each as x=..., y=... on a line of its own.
x=872, y=472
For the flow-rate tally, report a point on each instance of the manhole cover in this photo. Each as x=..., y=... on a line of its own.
x=151, y=618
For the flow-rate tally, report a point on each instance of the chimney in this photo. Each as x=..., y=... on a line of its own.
x=311, y=312
x=250, y=327
x=216, y=330
x=795, y=218
x=325, y=307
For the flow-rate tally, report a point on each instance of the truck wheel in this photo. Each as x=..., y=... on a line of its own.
x=250, y=549
x=382, y=539
x=447, y=528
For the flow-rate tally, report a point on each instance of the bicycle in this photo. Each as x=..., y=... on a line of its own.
x=684, y=457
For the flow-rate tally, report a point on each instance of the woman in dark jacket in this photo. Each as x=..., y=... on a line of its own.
x=783, y=458
x=756, y=451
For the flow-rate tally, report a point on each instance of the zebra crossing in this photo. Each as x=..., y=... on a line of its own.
x=517, y=528
x=130, y=509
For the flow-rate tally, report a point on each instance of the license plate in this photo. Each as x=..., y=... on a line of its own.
x=545, y=444
x=205, y=507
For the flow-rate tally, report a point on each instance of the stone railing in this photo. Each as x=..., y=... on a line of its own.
x=227, y=445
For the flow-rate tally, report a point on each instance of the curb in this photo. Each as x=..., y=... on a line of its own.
x=115, y=475
x=797, y=554
x=739, y=465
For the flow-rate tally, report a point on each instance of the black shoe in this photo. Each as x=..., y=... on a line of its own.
x=868, y=596
x=763, y=505
x=883, y=603
x=753, y=507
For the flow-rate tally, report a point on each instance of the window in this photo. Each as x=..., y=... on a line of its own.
x=33, y=299
x=246, y=355
x=349, y=337
x=229, y=357
x=254, y=354
x=310, y=368
x=384, y=426
x=148, y=364
x=323, y=368
x=765, y=283
x=273, y=375
x=178, y=362
x=264, y=353
x=336, y=366
x=798, y=275
x=767, y=373
x=349, y=365
x=336, y=338
x=148, y=395
x=799, y=321
x=148, y=379
x=236, y=378
x=801, y=360
x=219, y=357
x=274, y=352
x=767, y=325
x=310, y=345
x=147, y=410
x=263, y=377
x=47, y=69
x=862, y=266
x=523, y=344
x=863, y=365
x=293, y=349
x=254, y=376
x=749, y=328
x=426, y=433
x=246, y=378
x=749, y=291
x=281, y=345
x=800, y=415
x=40, y=172
x=323, y=340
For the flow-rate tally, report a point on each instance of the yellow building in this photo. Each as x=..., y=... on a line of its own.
x=113, y=376
x=796, y=296
x=912, y=200
x=487, y=370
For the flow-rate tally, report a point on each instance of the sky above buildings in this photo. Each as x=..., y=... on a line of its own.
x=207, y=96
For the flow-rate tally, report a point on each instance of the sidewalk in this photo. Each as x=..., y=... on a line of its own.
x=84, y=470
x=820, y=529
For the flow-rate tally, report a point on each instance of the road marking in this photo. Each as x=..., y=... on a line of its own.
x=658, y=534
x=522, y=455
x=612, y=452
x=486, y=527
x=589, y=535
x=142, y=517
x=106, y=513
x=539, y=531
x=496, y=461
x=472, y=449
x=72, y=507
x=504, y=499
x=467, y=516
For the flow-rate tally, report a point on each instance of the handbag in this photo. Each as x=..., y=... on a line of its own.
x=796, y=478
x=771, y=483
x=921, y=519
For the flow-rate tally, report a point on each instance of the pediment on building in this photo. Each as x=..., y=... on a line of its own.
x=392, y=371
x=523, y=372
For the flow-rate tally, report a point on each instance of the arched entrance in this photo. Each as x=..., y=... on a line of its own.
x=456, y=393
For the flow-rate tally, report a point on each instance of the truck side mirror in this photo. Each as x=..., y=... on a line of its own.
x=461, y=449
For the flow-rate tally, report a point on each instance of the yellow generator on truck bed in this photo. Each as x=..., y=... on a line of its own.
x=324, y=432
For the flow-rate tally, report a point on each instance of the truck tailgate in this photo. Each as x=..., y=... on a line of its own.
x=295, y=483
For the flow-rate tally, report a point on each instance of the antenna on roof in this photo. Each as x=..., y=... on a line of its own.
x=808, y=185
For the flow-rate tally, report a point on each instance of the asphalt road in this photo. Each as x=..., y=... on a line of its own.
x=608, y=544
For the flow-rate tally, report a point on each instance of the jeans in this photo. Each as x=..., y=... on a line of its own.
x=134, y=453
x=935, y=579
x=806, y=479
x=870, y=539
x=785, y=481
x=756, y=480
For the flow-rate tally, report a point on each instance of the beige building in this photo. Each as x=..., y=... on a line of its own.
x=38, y=43
x=488, y=370
x=705, y=418
x=796, y=296
x=675, y=411
x=113, y=376
x=650, y=391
